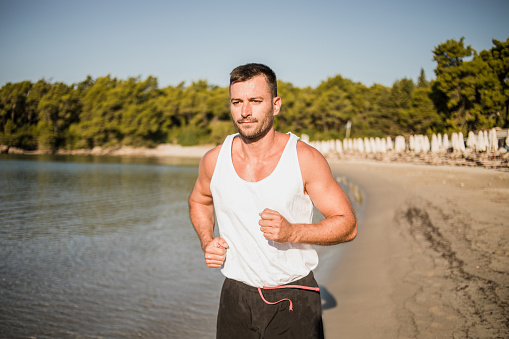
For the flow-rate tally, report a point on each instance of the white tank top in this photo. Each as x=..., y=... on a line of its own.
x=251, y=258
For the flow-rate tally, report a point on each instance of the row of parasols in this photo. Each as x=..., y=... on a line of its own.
x=482, y=141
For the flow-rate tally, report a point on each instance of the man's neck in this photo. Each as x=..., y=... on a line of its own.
x=261, y=148
x=255, y=161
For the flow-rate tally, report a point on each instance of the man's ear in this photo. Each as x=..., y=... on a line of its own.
x=277, y=105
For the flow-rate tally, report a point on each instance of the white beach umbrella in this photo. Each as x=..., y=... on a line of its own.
x=471, y=140
x=367, y=146
x=418, y=143
x=332, y=145
x=383, y=145
x=454, y=141
x=445, y=143
x=399, y=144
x=492, y=140
x=355, y=145
x=372, y=145
x=339, y=146
x=435, y=146
x=486, y=142
x=481, y=147
x=425, y=144
x=411, y=143
x=345, y=145
x=415, y=143
x=390, y=144
x=324, y=147
x=461, y=142
x=378, y=147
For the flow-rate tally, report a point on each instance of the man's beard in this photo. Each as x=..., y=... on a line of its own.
x=257, y=132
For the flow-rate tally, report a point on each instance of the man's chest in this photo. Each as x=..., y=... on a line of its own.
x=254, y=171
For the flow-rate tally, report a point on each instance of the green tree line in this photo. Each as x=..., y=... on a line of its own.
x=470, y=92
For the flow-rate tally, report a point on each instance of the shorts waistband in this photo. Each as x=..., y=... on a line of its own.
x=308, y=281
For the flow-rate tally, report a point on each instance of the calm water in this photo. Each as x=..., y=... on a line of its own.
x=103, y=247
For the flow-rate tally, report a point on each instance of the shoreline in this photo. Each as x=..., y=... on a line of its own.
x=471, y=159
x=431, y=258
x=163, y=150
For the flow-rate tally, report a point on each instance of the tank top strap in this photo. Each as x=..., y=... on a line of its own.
x=224, y=157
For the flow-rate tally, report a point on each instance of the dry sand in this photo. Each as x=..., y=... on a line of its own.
x=431, y=259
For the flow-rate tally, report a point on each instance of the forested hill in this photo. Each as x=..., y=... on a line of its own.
x=470, y=92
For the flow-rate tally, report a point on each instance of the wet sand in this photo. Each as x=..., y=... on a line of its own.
x=431, y=259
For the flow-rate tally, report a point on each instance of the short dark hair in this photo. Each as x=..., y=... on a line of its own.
x=249, y=71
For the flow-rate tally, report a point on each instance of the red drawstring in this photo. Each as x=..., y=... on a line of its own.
x=317, y=289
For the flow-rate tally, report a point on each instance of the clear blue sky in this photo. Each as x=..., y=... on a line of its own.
x=305, y=42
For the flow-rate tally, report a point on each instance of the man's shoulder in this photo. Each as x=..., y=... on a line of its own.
x=212, y=154
x=307, y=152
x=311, y=161
x=209, y=160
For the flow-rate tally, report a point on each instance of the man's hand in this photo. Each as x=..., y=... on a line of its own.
x=274, y=226
x=215, y=252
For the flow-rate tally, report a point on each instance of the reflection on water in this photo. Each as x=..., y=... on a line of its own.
x=93, y=248
x=354, y=191
x=172, y=161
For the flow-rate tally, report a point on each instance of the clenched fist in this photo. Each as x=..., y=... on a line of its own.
x=215, y=252
x=274, y=226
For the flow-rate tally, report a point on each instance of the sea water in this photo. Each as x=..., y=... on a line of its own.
x=103, y=247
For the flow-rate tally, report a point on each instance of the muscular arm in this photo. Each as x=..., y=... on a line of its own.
x=340, y=223
x=201, y=211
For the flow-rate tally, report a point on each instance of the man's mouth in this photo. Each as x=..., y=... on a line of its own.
x=246, y=121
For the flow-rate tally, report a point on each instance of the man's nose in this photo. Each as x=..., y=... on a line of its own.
x=246, y=109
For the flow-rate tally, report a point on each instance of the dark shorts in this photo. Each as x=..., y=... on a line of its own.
x=244, y=314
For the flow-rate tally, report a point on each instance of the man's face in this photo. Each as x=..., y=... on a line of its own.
x=253, y=108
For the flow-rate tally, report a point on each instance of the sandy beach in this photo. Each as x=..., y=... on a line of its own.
x=431, y=259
